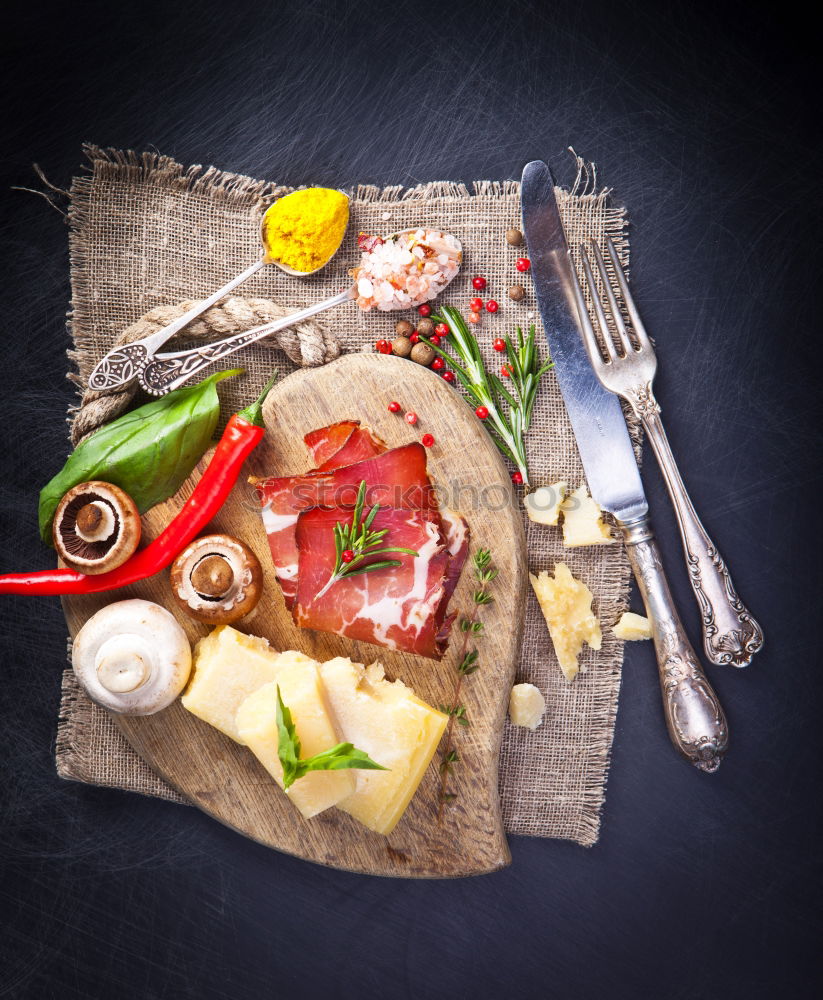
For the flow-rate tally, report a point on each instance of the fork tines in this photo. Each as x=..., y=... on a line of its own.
x=614, y=322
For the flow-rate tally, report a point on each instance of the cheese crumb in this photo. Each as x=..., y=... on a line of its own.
x=583, y=521
x=543, y=506
x=566, y=604
x=526, y=706
x=632, y=627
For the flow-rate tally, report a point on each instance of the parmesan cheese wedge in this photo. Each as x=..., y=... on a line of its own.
x=229, y=666
x=566, y=604
x=395, y=728
x=632, y=627
x=302, y=691
x=543, y=506
x=583, y=521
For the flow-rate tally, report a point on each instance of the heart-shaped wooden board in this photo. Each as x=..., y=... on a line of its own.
x=224, y=779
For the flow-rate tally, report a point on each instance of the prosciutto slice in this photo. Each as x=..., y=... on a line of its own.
x=325, y=441
x=395, y=607
x=403, y=607
x=361, y=444
x=396, y=478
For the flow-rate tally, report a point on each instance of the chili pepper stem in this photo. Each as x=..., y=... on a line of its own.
x=254, y=411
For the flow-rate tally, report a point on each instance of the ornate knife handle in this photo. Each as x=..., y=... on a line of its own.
x=694, y=717
x=730, y=633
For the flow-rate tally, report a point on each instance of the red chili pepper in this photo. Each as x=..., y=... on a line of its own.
x=243, y=433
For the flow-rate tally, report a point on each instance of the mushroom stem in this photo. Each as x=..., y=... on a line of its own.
x=95, y=521
x=123, y=663
x=212, y=576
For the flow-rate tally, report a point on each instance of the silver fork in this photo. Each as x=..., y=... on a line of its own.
x=730, y=633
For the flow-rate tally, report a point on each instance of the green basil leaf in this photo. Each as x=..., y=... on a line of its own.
x=148, y=452
x=341, y=757
x=288, y=745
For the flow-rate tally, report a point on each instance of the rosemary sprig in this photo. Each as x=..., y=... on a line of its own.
x=467, y=664
x=338, y=758
x=510, y=409
x=359, y=542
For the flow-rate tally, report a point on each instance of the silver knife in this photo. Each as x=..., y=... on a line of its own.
x=694, y=717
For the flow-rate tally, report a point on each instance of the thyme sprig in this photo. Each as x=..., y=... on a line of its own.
x=361, y=543
x=468, y=662
x=510, y=408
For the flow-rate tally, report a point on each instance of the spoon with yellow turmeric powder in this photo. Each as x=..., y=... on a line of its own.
x=301, y=232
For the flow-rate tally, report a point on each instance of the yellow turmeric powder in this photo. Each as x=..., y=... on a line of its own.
x=304, y=229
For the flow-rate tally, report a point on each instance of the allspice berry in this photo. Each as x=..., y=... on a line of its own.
x=401, y=346
x=517, y=292
x=514, y=237
x=425, y=327
x=403, y=328
x=423, y=354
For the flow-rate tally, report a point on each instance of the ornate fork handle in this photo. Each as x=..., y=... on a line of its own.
x=730, y=633
x=694, y=717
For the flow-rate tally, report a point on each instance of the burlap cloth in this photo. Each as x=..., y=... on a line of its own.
x=145, y=232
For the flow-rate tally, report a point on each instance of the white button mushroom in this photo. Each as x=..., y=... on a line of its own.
x=132, y=657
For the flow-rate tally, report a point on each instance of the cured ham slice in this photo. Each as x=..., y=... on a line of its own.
x=456, y=534
x=362, y=444
x=395, y=607
x=325, y=441
x=396, y=478
x=342, y=443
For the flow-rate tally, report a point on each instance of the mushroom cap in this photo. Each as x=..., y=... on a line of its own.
x=96, y=527
x=132, y=657
x=217, y=579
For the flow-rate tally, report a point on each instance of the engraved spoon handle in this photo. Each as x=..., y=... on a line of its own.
x=730, y=633
x=121, y=364
x=694, y=717
x=169, y=371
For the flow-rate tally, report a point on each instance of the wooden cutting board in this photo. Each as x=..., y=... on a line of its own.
x=223, y=778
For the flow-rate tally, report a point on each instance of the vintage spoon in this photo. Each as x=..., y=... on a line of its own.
x=122, y=364
x=165, y=372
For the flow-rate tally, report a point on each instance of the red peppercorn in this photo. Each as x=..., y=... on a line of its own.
x=383, y=346
x=425, y=310
x=415, y=337
x=474, y=317
x=504, y=371
x=411, y=417
x=478, y=282
x=394, y=407
x=434, y=339
x=517, y=478
x=476, y=305
x=482, y=412
x=522, y=263
x=427, y=440
x=499, y=344
x=347, y=555
x=448, y=376
x=438, y=364
x=492, y=306
x=442, y=330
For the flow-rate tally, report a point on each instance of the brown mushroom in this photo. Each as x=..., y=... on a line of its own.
x=217, y=579
x=96, y=527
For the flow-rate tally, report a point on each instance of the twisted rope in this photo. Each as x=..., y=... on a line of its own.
x=308, y=344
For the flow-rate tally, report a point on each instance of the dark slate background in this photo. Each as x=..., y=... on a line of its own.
x=703, y=121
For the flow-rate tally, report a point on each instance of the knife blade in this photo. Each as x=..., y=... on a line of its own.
x=695, y=719
x=596, y=416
